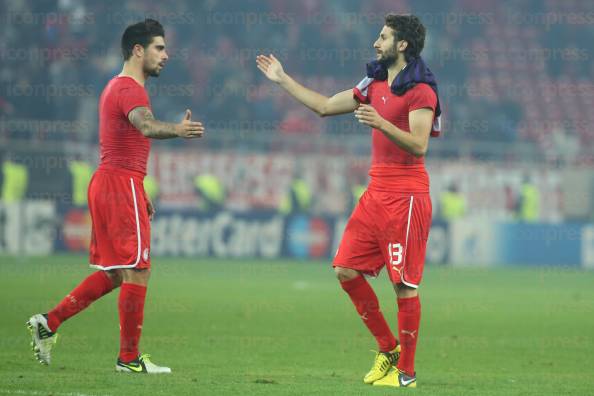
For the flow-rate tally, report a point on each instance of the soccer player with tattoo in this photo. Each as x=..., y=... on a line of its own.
x=120, y=209
x=390, y=224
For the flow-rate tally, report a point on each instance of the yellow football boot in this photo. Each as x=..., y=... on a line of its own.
x=398, y=379
x=381, y=365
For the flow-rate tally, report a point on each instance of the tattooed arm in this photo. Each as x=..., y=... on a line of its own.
x=142, y=118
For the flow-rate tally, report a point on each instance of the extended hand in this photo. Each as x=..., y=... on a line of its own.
x=271, y=67
x=369, y=116
x=188, y=128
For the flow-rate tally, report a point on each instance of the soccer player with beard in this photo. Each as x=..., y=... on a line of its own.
x=120, y=209
x=390, y=224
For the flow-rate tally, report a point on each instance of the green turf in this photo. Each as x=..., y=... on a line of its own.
x=279, y=328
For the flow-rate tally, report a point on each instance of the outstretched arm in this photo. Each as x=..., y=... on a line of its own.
x=341, y=103
x=142, y=118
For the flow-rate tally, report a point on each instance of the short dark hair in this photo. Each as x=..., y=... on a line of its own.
x=140, y=33
x=410, y=29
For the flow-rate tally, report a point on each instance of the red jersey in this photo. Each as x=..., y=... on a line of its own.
x=121, y=144
x=393, y=168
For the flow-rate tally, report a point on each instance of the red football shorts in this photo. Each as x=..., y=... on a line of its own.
x=388, y=229
x=121, y=233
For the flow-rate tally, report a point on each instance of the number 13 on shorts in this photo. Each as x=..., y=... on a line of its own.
x=395, y=252
x=396, y=257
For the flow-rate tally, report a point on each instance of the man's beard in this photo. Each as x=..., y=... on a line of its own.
x=388, y=59
x=154, y=72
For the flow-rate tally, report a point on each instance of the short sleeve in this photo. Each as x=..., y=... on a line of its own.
x=420, y=97
x=132, y=96
x=362, y=91
x=358, y=96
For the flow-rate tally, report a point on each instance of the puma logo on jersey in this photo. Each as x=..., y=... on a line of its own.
x=410, y=333
x=384, y=99
x=364, y=316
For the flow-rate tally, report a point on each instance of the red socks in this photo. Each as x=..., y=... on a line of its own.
x=130, y=304
x=409, y=316
x=367, y=306
x=92, y=288
x=131, y=308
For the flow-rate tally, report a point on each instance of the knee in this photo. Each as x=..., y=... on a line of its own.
x=403, y=291
x=116, y=277
x=345, y=274
x=139, y=277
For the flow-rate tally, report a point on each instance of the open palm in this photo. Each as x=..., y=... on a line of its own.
x=271, y=67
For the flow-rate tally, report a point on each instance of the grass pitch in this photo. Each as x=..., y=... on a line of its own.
x=286, y=328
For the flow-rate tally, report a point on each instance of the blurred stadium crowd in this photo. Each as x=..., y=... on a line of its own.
x=507, y=72
x=512, y=74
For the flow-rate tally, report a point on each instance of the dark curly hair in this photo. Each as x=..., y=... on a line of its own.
x=140, y=33
x=410, y=29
